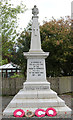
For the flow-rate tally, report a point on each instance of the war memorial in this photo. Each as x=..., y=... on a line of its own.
x=36, y=92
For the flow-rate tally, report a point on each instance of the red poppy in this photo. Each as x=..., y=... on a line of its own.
x=51, y=112
x=19, y=113
x=40, y=112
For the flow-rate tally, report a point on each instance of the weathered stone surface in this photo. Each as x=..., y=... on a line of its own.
x=36, y=86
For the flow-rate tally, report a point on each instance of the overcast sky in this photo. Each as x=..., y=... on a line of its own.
x=47, y=9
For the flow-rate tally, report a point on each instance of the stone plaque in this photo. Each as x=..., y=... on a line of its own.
x=36, y=69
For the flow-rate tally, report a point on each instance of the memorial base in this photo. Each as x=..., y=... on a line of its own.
x=34, y=99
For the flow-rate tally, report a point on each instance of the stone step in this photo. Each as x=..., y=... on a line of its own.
x=40, y=85
x=32, y=103
x=48, y=94
x=61, y=111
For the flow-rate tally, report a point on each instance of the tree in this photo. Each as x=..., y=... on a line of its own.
x=23, y=45
x=9, y=26
x=56, y=38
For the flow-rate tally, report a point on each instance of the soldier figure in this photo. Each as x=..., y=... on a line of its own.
x=35, y=11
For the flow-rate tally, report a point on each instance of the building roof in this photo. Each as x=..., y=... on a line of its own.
x=9, y=66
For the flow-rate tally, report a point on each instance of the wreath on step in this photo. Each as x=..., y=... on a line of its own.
x=39, y=113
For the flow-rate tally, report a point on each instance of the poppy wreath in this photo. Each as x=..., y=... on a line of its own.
x=40, y=112
x=29, y=113
x=19, y=113
x=51, y=112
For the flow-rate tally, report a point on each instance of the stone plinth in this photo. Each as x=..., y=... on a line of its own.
x=36, y=71
x=34, y=99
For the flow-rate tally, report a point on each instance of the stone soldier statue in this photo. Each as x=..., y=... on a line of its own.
x=35, y=11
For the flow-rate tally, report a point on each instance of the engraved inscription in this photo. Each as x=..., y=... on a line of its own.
x=37, y=87
x=36, y=68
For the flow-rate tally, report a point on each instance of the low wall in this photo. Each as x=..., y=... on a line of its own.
x=65, y=84
x=61, y=84
x=54, y=83
x=10, y=86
